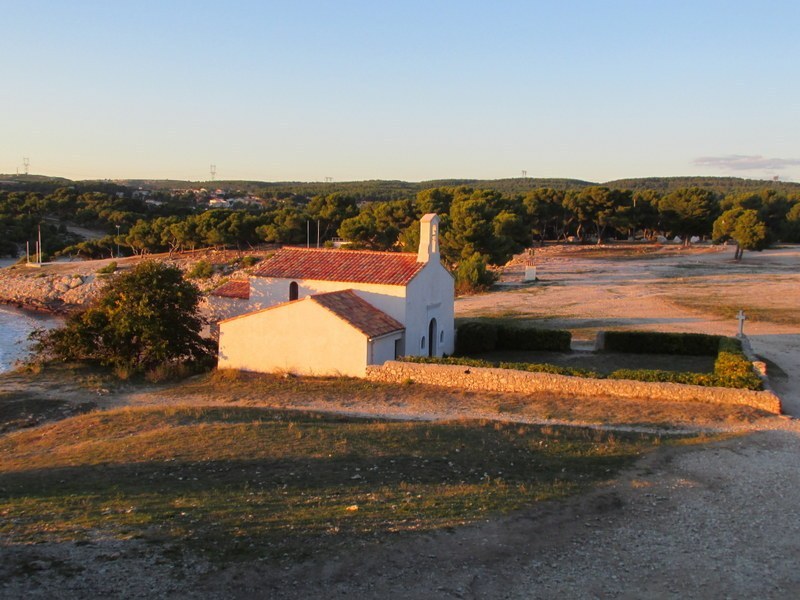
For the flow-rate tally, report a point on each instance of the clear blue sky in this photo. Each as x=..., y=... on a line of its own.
x=409, y=90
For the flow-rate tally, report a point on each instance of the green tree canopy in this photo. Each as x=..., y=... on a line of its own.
x=145, y=318
x=749, y=232
x=688, y=211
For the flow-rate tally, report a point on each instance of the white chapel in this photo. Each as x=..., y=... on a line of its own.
x=333, y=312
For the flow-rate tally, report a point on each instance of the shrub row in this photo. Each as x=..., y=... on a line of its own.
x=652, y=342
x=475, y=337
x=731, y=369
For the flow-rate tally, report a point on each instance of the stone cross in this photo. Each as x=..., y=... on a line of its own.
x=741, y=318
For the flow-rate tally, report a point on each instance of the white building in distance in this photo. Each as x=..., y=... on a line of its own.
x=333, y=312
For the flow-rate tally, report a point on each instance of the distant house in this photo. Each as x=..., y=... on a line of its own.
x=329, y=312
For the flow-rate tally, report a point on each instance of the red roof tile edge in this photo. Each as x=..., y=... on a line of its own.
x=233, y=289
x=350, y=307
x=354, y=266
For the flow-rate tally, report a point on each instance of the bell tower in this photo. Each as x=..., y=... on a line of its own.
x=428, y=238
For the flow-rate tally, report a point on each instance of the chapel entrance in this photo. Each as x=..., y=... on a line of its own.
x=432, y=338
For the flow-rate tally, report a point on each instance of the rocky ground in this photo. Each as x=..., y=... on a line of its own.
x=64, y=286
x=707, y=521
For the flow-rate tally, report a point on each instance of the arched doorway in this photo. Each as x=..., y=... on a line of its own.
x=432, y=338
x=294, y=291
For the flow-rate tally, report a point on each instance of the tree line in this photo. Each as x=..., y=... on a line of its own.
x=480, y=227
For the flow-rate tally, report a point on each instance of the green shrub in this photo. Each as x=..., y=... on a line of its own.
x=450, y=360
x=473, y=276
x=653, y=342
x=659, y=376
x=516, y=337
x=170, y=371
x=201, y=270
x=108, y=269
x=552, y=369
x=249, y=261
x=732, y=369
x=474, y=337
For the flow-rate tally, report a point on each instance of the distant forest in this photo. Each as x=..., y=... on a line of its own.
x=483, y=222
x=381, y=190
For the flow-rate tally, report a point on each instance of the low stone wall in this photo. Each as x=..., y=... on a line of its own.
x=507, y=380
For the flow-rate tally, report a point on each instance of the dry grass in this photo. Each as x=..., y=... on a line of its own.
x=238, y=482
x=358, y=396
x=728, y=309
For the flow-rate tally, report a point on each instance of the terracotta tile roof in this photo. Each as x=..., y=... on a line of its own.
x=233, y=289
x=355, y=266
x=358, y=312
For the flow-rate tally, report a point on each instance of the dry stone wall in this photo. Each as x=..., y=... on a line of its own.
x=508, y=380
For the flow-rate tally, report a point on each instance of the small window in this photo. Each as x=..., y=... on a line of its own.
x=294, y=291
x=441, y=336
x=422, y=344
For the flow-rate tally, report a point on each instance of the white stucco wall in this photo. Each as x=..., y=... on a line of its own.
x=301, y=337
x=430, y=296
x=268, y=291
x=382, y=349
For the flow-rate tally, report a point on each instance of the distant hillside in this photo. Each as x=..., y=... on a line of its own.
x=379, y=189
x=723, y=185
x=376, y=189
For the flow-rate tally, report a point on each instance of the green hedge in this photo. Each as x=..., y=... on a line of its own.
x=517, y=337
x=553, y=369
x=476, y=337
x=652, y=342
x=731, y=369
x=659, y=376
x=449, y=360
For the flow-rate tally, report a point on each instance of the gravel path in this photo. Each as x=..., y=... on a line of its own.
x=718, y=522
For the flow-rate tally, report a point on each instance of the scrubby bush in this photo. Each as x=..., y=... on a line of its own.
x=249, y=261
x=144, y=318
x=108, y=269
x=472, y=275
x=201, y=270
x=653, y=342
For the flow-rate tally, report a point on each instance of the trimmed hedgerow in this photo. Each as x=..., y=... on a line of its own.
x=518, y=337
x=653, y=342
x=476, y=337
x=449, y=360
x=660, y=376
x=731, y=369
x=552, y=369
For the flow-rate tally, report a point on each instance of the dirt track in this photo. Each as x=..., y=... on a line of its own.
x=701, y=522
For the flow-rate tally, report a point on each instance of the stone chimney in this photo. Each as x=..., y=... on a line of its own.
x=428, y=238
